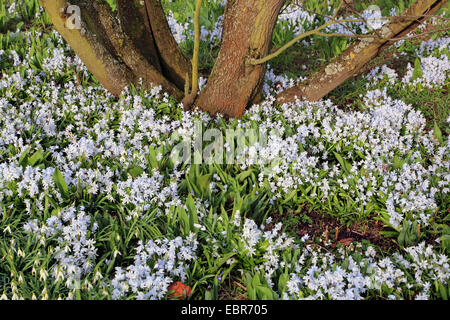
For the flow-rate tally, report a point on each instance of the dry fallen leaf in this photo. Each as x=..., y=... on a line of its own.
x=345, y=242
x=180, y=290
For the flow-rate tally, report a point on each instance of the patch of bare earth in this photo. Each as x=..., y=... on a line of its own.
x=329, y=229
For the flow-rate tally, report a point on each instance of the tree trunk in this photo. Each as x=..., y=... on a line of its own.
x=174, y=64
x=247, y=33
x=352, y=60
x=112, y=74
x=135, y=23
x=141, y=46
x=120, y=54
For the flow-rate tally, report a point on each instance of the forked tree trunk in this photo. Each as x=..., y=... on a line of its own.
x=247, y=33
x=120, y=53
x=174, y=64
x=141, y=46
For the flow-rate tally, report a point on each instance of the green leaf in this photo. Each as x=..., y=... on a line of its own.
x=264, y=293
x=290, y=196
x=36, y=157
x=208, y=295
x=152, y=154
x=282, y=282
x=203, y=183
x=215, y=289
x=23, y=156
x=251, y=291
x=417, y=73
x=135, y=171
x=193, y=214
x=344, y=163
x=256, y=281
x=184, y=219
x=360, y=154
x=401, y=238
x=443, y=291
x=220, y=262
x=243, y=175
x=397, y=162
x=61, y=183
x=437, y=133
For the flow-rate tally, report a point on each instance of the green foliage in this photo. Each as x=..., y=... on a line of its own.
x=212, y=216
x=409, y=234
x=258, y=288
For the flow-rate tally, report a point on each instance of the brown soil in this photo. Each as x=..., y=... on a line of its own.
x=233, y=291
x=326, y=227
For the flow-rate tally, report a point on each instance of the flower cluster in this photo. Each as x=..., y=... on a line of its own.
x=361, y=272
x=78, y=167
x=156, y=265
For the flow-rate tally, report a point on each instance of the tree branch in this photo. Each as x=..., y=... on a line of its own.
x=296, y=39
x=174, y=64
x=189, y=99
x=196, y=47
x=352, y=60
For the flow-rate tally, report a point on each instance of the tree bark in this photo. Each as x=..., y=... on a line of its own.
x=174, y=64
x=135, y=23
x=247, y=33
x=352, y=60
x=99, y=18
x=118, y=55
x=103, y=64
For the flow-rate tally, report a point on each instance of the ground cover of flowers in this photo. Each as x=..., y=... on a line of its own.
x=93, y=205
